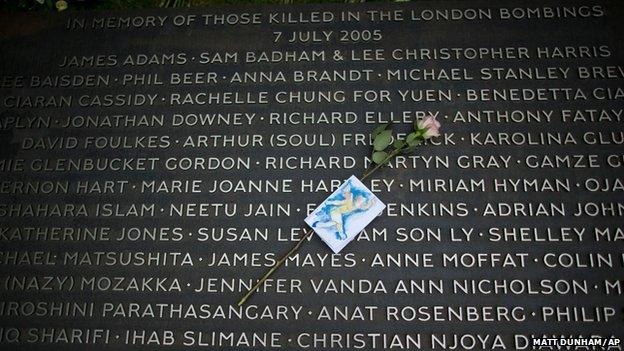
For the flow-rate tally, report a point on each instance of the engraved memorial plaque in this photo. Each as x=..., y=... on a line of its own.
x=154, y=164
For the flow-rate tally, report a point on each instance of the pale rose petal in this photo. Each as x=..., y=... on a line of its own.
x=431, y=127
x=430, y=133
x=422, y=123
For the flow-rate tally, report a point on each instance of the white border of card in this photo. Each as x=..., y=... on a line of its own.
x=345, y=213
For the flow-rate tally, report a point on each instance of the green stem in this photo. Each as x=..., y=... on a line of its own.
x=277, y=264
x=381, y=164
x=301, y=240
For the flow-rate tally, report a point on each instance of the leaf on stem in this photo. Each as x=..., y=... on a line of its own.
x=379, y=156
x=383, y=140
x=398, y=144
x=412, y=139
x=380, y=128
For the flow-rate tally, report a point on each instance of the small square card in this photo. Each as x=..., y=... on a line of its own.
x=343, y=215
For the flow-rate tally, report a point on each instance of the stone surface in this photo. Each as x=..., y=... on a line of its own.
x=154, y=163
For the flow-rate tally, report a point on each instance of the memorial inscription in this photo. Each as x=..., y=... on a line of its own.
x=153, y=164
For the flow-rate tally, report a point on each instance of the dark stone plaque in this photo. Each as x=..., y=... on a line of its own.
x=154, y=164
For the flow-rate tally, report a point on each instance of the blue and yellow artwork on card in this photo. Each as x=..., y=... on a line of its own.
x=345, y=213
